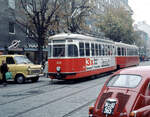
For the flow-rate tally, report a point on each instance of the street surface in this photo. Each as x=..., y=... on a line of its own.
x=47, y=99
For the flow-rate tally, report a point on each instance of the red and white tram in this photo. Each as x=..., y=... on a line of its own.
x=126, y=55
x=73, y=56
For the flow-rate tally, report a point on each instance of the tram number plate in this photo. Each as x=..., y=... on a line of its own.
x=109, y=107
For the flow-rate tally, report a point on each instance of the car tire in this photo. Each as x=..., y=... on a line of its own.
x=20, y=79
x=35, y=79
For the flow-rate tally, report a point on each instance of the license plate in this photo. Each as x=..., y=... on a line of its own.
x=109, y=107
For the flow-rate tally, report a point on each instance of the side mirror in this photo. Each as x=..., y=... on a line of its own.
x=149, y=86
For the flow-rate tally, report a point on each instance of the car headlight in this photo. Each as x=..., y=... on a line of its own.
x=58, y=68
x=41, y=68
x=29, y=70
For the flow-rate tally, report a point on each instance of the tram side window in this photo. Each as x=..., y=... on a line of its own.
x=110, y=50
x=130, y=52
x=105, y=49
x=109, y=53
x=72, y=51
x=92, y=49
x=81, y=47
x=122, y=51
x=49, y=50
x=119, y=51
x=58, y=50
x=100, y=50
x=113, y=51
x=87, y=49
x=125, y=51
x=96, y=47
x=136, y=52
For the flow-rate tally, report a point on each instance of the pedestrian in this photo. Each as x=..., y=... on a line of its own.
x=4, y=69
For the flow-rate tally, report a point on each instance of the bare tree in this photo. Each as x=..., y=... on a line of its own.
x=75, y=17
x=36, y=18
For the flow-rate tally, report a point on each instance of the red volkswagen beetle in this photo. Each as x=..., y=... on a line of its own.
x=125, y=94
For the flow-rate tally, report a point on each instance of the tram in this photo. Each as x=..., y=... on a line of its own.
x=126, y=55
x=74, y=56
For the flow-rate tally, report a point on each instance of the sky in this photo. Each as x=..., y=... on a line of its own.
x=141, y=10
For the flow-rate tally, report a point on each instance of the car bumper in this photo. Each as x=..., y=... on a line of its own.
x=34, y=75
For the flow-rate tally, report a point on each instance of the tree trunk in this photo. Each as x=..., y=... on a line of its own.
x=40, y=51
x=40, y=55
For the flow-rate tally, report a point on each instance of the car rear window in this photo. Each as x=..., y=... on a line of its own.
x=127, y=81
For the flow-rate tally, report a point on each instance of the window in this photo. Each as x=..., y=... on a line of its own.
x=128, y=81
x=22, y=60
x=81, y=47
x=11, y=4
x=96, y=47
x=10, y=60
x=122, y=51
x=11, y=27
x=100, y=50
x=110, y=50
x=87, y=47
x=49, y=50
x=125, y=51
x=72, y=50
x=92, y=49
x=59, y=51
x=119, y=51
x=105, y=49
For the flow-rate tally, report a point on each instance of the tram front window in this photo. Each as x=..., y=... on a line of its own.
x=58, y=50
x=72, y=51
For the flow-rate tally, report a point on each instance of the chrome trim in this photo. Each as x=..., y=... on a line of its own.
x=35, y=75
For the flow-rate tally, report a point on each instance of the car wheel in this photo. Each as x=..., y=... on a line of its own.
x=19, y=79
x=35, y=79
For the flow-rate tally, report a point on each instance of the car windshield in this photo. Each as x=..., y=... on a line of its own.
x=22, y=60
x=127, y=81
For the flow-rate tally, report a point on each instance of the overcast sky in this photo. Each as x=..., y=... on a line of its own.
x=141, y=9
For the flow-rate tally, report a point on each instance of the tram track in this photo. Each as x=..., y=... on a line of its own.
x=79, y=108
x=55, y=100
x=26, y=93
x=29, y=89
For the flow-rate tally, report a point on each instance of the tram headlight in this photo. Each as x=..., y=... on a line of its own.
x=58, y=68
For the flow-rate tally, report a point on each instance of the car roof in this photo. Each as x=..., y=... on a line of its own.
x=143, y=71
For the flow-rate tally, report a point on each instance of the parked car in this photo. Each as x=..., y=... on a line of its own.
x=125, y=94
x=22, y=68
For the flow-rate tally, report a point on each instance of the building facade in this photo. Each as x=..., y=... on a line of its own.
x=12, y=38
x=144, y=27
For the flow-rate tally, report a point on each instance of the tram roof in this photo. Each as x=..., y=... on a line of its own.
x=62, y=36
x=120, y=44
